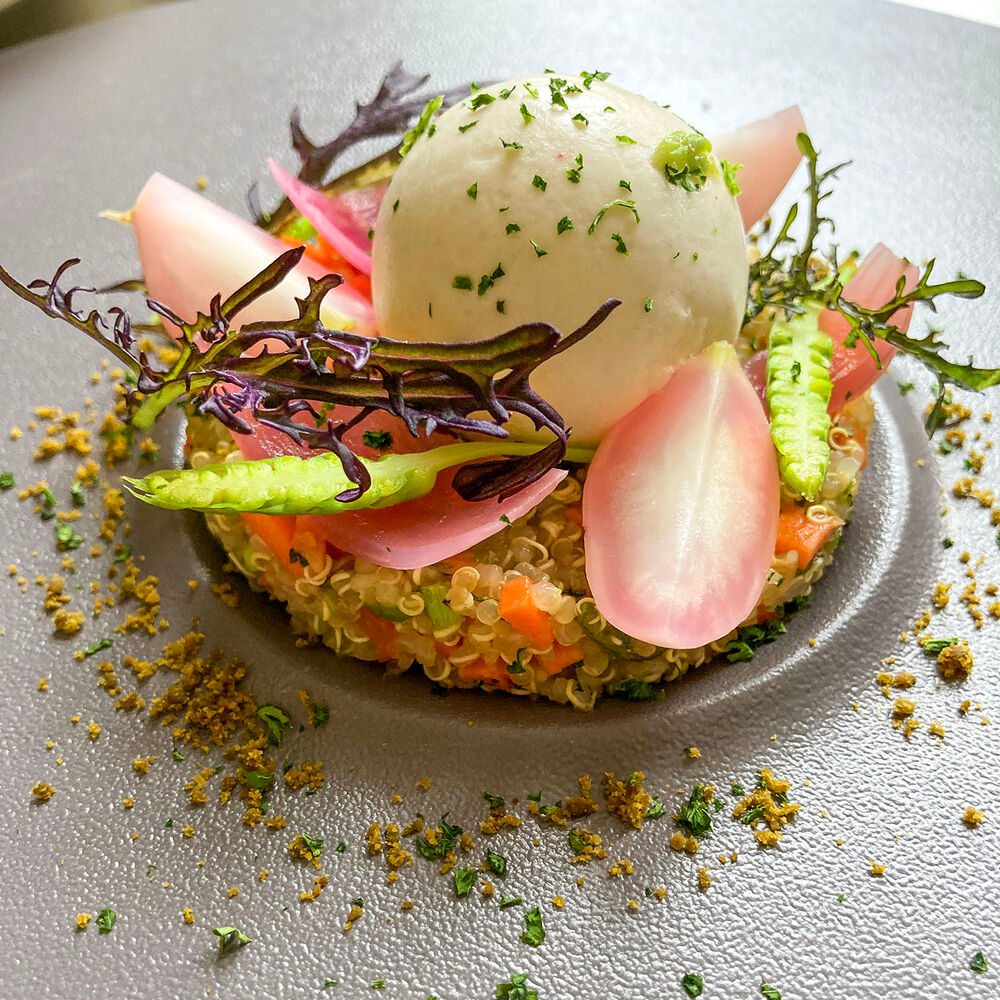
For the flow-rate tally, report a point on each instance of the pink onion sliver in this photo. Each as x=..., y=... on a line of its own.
x=333, y=220
x=192, y=249
x=769, y=154
x=424, y=531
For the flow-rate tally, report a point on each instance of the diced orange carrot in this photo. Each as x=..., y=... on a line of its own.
x=796, y=533
x=277, y=531
x=574, y=513
x=560, y=657
x=518, y=608
x=489, y=673
x=381, y=632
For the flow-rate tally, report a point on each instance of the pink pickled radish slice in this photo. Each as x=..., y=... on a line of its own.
x=191, y=250
x=334, y=220
x=424, y=531
x=769, y=154
x=853, y=369
x=680, y=507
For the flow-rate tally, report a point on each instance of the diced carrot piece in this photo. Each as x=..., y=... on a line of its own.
x=518, y=608
x=489, y=673
x=382, y=633
x=574, y=513
x=560, y=657
x=796, y=533
x=277, y=531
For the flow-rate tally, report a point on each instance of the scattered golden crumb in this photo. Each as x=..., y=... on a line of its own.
x=558, y=902
x=188, y=914
x=903, y=707
x=43, y=791
x=128, y=803
x=692, y=752
x=955, y=662
x=352, y=916
x=973, y=816
x=141, y=764
x=628, y=799
x=67, y=622
x=704, y=879
x=82, y=919
x=424, y=783
x=633, y=904
x=234, y=891
x=15, y=433
x=396, y=799
x=188, y=832
x=201, y=182
x=964, y=707
x=93, y=730
x=877, y=870
x=43, y=684
x=936, y=729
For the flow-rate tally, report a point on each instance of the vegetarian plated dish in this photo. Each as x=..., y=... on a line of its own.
x=519, y=403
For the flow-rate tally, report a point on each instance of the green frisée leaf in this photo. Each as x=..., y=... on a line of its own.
x=798, y=393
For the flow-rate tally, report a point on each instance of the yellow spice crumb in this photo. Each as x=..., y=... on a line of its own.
x=234, y=891
x=558, y=902
x=82, y=919
x=263, y=874
x=973, y=816
x=128, y=803
x=704, y=879
x=15, y=433
x=93, y=730
x=424, y=783
x=964, y=707
x=936, y=729
x=955, y=662
x=396, y=799
x=633, y=904
x=188, y=832
x=43, y=791
x=43, y=684
x=188, y=914
x=692, y=752
x=877, y=870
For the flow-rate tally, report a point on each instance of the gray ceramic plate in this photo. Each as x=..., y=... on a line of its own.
x=204, y=88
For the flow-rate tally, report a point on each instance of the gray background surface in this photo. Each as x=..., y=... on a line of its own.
x=204, y=88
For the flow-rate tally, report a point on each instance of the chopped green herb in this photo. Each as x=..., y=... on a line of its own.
x=48, y=498
x=505, y=93
x=481, y=100
x=327, y=983
x=693, y=984
x=632, y=689
x=341, y=847
x=648, y=305
x=506, y=901
x=769, y=992
x=7, y=481
x=539, y=252
x=573, y=173
x=539, y=182
x=176, y=754
x=463, y=282
x=465, y=879
x=625, y=184
x=487, y=281
x=123, y=555
x=752, y=637
x=510, y=145
x=737, y=790
x=694, y=814
x=796, y=370
x=76, y=494
x=505, y=519
x=628, y=205
x=66, y=537
x=495, y=801
x=378, y=984
x=533, y=91
x=106, y=919
x=379, y=440
x=395, y=206
x=297, y=557
x=936, y=645
x=501, y=305
x=655, y=810
x=627, y=139
x=516, y=989
x=588, y=78
x=840, y=897
x=465, y=128
x=257, y=779
x=905, y=387
x=555, y=93
x=421, y=125
x=512, y=227
x=277, y=721
x=620, y=244
x=729, y=171
x=685, y=158
x=526, y=114
x=533, y=933
x=581, y=118
x=517, y=667
x=576, y=842
x=104, y=643
x=320, y=716
x=564, y=225
x=945, y=448
x=497, y=863
x=979, y=962
x=358, y=901
x=169, y=823
x=473, y=190
x=302, y=229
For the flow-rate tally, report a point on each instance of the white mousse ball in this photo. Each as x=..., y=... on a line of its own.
x=493, y=219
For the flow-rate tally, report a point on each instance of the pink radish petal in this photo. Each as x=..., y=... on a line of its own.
x=424, y=531
x=191, y=250
x=680, y=507
x=332, y=218
x=769, y=154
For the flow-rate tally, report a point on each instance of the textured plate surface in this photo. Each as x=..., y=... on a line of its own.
x=205, y=88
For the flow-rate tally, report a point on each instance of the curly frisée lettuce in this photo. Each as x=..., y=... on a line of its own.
x=426, y=385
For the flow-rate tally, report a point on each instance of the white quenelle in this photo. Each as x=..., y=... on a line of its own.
x=486, y=197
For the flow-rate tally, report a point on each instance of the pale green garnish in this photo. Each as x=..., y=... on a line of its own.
x=686, y=159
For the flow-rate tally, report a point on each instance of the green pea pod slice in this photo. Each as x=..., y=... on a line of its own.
x=798, y=394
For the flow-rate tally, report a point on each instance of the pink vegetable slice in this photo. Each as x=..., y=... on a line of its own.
x=434, y=527
x=334, y=218
x=191, y=249
x=769, y=154
x=680, y=507
x=853, y=369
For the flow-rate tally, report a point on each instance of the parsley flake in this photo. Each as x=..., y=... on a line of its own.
x=395, y=206
x=320, y=716
x=539, y=252
x=626, y=139
x=501, y=305
x=481, y=100
x=647, y=306
x=497, y=863
x=628, y=204
x=505, y=93
x=465, y=128
x=573, y=173
x=588, y=78
x=277, y=721
x=487, y=281
x=107, y=918
x=465, y=879
x=380, y=441
x=510, y=145
x=176, y=754
x=564, y=225
x=526, y=114
x=462, y=282
x=631, y=689
x=516, y=989
x=625, y=184
x=473, y=190
x=539, y=182
x=533, y=933
x=533, y=91
x=7, y=481
x=76, y=494
x=512, y=227
x=620, y=244
x=104, y=643
x=506, y=901
x=421, y=125
x=66, y=537
x=581, y=118
x=694, y=814
x=769, y=992
x=729, y=171
x=693, y=983
x=979, y=962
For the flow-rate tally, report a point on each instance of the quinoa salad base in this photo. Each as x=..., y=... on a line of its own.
x=331, y=603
